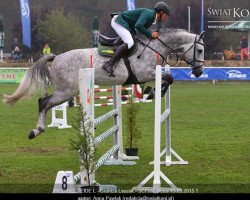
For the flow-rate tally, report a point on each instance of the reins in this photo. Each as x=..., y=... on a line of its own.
x=147, y=46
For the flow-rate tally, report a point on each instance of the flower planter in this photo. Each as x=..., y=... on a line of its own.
x=131, y=151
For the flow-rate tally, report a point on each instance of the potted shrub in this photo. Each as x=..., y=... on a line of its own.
x=132, y=127
x=84, y=145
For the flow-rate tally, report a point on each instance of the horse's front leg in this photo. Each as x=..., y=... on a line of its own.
x=167, y=80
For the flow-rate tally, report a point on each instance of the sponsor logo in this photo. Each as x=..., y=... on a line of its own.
x=236, y=74
x=25, y=8
x=234, y=12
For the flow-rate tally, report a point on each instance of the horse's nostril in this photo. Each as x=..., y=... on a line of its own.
x=198, y=74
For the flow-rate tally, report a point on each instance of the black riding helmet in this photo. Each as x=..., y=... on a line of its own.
x=161, y=6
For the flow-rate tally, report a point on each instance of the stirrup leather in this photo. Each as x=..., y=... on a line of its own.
x=109, y=67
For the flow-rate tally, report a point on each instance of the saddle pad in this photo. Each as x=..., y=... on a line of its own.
x=109, y=50
x=105, y=50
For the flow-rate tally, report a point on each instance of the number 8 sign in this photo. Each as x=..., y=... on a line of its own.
x=65, y=182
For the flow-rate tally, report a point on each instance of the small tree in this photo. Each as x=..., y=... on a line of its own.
x=134, y=132
x=84, y=144
x=63, y=32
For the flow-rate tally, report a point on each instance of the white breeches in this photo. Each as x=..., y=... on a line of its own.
x=122, y=32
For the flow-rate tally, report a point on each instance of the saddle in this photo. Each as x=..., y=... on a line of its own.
x=107, y=46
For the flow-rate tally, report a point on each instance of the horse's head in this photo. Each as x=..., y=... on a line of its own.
x=193, y=54
x=184, y=45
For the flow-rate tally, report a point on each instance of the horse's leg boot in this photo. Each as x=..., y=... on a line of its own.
x=119, y=53
x=168, y=78
x=164, y=88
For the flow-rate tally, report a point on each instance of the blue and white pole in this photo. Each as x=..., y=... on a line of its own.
x=130, y=4
x=202, y=16
x=1, y=39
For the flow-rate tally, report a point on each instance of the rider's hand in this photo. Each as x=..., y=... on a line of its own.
x=154, y=35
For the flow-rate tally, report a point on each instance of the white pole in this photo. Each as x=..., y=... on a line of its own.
x=157, y=140
x=118, y=140
x=168, y=123
x=189, y=18
x=248, y=44
x=1, y=55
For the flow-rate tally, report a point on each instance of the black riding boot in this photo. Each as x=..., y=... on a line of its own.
x=119, y=53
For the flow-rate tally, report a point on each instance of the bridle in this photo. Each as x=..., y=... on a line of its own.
x=178, y=56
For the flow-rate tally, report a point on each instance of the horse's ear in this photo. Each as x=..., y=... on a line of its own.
x=202, y=35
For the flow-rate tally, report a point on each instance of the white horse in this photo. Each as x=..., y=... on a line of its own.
x=63, y=69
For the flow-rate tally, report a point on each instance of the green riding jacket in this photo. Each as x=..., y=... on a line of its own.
x=139, y=19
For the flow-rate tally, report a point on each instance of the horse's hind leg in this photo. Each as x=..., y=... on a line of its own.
x=45, y=104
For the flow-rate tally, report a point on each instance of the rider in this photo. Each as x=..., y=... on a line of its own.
x=129, y=22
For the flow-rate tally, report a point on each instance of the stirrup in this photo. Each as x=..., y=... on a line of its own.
x=110, y=73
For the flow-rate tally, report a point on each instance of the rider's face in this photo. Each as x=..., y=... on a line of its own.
x=164, y=16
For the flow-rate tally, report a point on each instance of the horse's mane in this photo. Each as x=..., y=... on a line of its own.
x=175, y=30
x=170, y=31
x=172, y=36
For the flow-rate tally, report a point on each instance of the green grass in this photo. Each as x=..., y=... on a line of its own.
x=210, y=129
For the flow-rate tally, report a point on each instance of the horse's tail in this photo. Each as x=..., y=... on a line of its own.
x=32, y=81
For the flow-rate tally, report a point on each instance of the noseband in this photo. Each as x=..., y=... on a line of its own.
x=178, y=56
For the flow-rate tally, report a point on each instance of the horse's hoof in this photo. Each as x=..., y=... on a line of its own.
x=31, y=135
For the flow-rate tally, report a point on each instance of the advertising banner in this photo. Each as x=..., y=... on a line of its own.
x=11, y=75
x=25, y=14
x=211, y=73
